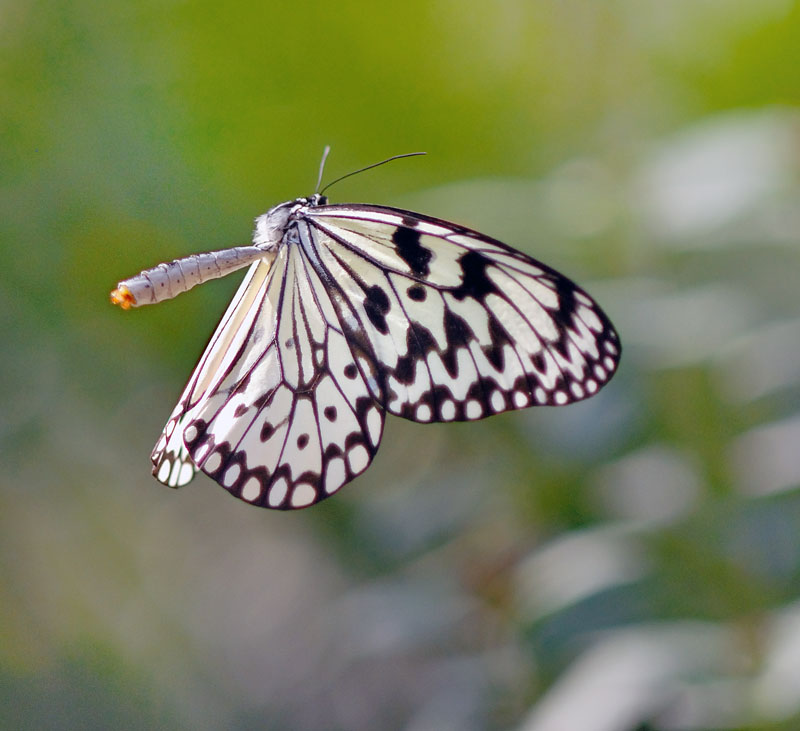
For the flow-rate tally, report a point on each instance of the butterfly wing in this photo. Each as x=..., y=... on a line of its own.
x=459, y=325
x=366, y=308
x=172, y=464
x=277, y=411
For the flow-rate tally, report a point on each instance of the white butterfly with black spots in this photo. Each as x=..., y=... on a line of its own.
x=351, y=311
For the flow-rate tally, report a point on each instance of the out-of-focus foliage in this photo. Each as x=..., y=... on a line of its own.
x=629, y=562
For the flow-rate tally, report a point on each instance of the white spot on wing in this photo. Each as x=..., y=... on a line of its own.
x=358, y=459
x=590, y=318
x=212, y=464
x=200, y=454
x=252, y=490
x=303, y=494
x=374, y=424
x=163, y=471
x=175, y=473
x=186, y=473
x=335, y=475
x=277, y=492
x=448, y=411
x=432, y=229
x=231, y=475
x=498, y=401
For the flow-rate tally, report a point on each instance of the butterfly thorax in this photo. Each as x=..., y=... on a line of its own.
x=273, y=226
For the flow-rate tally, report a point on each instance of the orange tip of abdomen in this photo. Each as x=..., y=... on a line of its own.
x=122, y=296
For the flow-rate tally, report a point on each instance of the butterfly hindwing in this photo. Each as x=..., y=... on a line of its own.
x=286, y=418
x=172, y=464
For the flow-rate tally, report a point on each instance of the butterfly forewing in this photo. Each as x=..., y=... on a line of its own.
x=460, y=325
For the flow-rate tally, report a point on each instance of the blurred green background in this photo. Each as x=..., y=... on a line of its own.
x=631, y=562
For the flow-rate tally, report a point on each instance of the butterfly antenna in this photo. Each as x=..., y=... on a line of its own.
x=368, y=167
x=325, y=154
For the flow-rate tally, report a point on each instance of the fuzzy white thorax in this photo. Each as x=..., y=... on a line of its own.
x=271, y=226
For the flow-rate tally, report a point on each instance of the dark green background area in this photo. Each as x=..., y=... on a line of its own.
x=629, y=562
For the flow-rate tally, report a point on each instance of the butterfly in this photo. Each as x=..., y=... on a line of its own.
x=352, y=311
